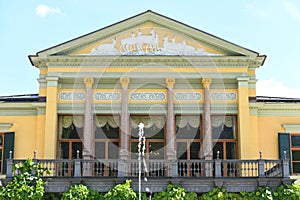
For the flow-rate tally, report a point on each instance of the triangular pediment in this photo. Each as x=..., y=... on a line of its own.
x=148, y=33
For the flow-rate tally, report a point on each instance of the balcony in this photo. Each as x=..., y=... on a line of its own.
x=195, y=175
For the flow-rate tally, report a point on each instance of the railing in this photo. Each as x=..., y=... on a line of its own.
x=153, y=168
x=217, y=168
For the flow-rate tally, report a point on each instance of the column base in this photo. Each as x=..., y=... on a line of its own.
x=124, y=154
x=171, y=155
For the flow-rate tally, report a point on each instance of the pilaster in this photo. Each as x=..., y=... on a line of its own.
x=51, y=118
x=244, y=119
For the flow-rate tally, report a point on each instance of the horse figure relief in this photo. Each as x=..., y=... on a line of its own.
x=141, y=43
x=107, y=48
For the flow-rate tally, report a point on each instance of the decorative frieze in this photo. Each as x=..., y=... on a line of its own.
x=71, y=96
x=188, y=96
x=107, y=96
x=223, y=96
x=147, y=96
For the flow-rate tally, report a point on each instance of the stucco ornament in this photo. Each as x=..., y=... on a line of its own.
x=151, y=43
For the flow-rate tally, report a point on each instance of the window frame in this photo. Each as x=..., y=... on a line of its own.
x=225, y=141
x=292, y=148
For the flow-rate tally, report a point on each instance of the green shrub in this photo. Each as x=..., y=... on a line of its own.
x=290, y=192
x=81, y=192
x=25, y=185
x=175, y=192
x=121, y=192
x=220, y=194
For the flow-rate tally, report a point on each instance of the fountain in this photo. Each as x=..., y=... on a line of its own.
x=141, y=156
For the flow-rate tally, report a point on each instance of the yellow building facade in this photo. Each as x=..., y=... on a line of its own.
x=194, y=92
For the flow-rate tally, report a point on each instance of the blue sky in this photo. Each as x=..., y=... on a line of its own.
x=270, y=27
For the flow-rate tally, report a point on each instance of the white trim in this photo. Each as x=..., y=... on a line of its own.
x=290, y=128
x=5, y=126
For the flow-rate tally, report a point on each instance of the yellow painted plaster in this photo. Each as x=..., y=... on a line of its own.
x=51, y=123
x=42, y=92
x=243, y=120
x=268, y=129
x=25, y=128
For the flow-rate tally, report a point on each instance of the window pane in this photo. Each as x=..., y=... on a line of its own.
x=218, y=147
x=64, y=150
x=296, y=141
x=72, y=132
x=223, y=127
x=181, y=150
x=100, y=150
x=156, y=150
x=107, y=132
x=230, y=150
x=187, y=132
x=134, y=150
x=154, y=133
x=113, y=150
x=296, y=155
x=1, y=139
x=151, y=133
x=195, y=150
x=76, y=146
x=296, y=167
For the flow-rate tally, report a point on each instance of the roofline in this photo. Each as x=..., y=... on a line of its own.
x=150, y=11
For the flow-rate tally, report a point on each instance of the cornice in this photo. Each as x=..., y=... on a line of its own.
x=17, y=109
x=74, y=61
x=275, y=109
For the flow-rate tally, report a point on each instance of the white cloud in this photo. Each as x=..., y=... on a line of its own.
x=292, y=10
x=44, y=10
x=274, y=88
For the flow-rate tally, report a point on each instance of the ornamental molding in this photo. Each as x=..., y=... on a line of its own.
x=290, y=128
x=147, y=96
x=76, y=61
x=4, y=127
x=223, y=96
x=107, y=96
x=71, y=96
x=188, y=96
x=275, y=109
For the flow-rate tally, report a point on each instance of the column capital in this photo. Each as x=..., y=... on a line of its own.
x=124, y=82
x=170, y=82
x=52, y=81
x=206, y=82
x=88, y=82
x=243, y=81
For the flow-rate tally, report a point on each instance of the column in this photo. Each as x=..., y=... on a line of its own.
x=245, y=138
x=170, y=136
x=88, y=128
x=207, y=135
x=51, y=118
x=88, y=120
x=124, y=150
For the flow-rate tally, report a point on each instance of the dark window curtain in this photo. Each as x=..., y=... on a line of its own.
x=9, y=140
x=284, y=145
